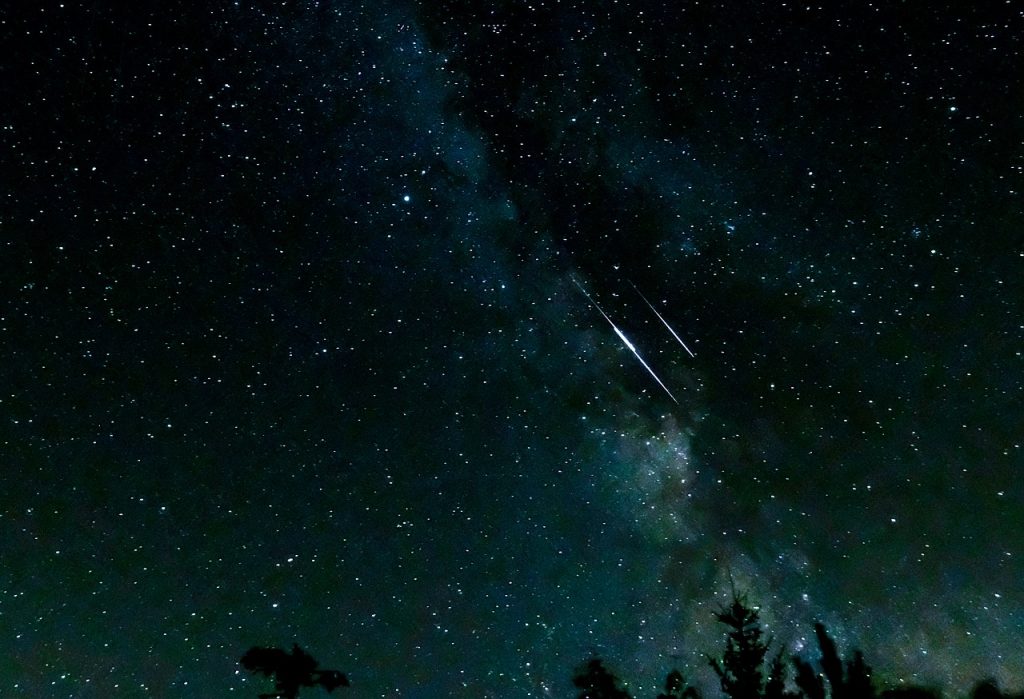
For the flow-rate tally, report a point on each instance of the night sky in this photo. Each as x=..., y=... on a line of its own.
x=296, y=341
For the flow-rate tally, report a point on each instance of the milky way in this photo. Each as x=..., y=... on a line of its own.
x=295, y=350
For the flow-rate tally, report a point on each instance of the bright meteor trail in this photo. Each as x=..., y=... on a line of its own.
x=625, y=340
x=651, y=306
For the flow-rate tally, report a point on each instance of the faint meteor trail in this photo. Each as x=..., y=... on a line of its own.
x=665, y=322
x=625, y=340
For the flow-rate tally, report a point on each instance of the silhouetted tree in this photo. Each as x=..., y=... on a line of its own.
x=596, y=682
x=676, y=687
x=986, y=689
x=775, y=686
x=831, y=665
x=291, y=671
x=854, y=683
x=810, y=682
x=739, y=670
x=858, y=678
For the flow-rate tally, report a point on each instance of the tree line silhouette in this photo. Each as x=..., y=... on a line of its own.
x=744, y=670
x=291, y=671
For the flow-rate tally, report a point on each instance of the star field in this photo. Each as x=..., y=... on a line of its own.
x=297, y=346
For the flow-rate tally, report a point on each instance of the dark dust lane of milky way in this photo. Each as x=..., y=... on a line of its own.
x=458, y=342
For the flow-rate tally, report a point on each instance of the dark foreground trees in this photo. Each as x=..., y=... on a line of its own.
x=596, y=682
x=853, y=683
x=739, y=669
x=291, y=671
x=745, y=671
x=677, y=688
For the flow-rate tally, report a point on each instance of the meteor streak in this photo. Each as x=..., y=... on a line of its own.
x=625, y=340
x=665, y=322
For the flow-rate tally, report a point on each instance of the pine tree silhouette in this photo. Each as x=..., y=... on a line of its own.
x=858, y=678
x=810, y=682
x=596, y=682
x=854, y=683
x=831, y=665
x=291, y=671
x=739, y=670
x=775, y=686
